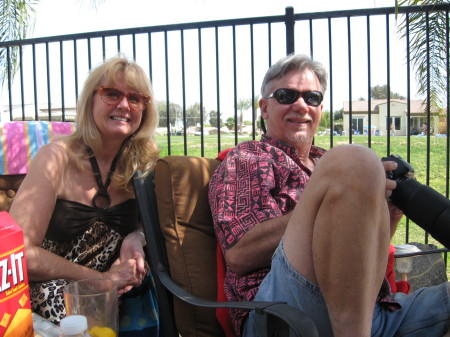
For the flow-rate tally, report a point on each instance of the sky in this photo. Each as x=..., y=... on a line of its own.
x=78, y=16
x=56, y=17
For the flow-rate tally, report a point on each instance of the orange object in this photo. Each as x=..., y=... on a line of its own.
x=15, y=306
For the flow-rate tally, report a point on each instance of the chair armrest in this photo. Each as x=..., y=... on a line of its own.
x=423, y=252
x=286, y=316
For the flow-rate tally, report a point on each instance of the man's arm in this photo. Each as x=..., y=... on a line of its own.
x=250, y=199
x=254, y=250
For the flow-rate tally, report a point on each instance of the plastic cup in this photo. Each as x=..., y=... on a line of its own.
x=97, y=300
x=404, y=265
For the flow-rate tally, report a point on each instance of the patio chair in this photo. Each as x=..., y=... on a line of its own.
x=180, y=237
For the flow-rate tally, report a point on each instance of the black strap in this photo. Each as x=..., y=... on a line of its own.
x=101, y=199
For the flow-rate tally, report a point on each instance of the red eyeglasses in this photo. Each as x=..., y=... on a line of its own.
x=112, y=96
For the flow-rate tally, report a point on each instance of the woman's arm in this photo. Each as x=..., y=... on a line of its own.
x=32, y=209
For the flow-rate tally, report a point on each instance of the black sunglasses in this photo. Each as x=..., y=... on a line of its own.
x=290, y=96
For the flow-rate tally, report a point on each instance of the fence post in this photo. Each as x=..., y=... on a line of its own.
x=290, y=22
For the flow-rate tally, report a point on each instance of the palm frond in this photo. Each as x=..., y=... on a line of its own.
x=427, y=37
x=16, y=21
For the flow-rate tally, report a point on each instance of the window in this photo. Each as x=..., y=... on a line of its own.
x=396, y=121
x=357, y=126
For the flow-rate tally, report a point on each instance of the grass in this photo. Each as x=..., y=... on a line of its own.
x=436, y=178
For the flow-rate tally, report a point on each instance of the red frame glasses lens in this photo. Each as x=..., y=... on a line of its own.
x=112, y=96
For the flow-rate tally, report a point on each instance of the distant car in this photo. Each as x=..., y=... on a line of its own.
x=179, y=133
x=197, y=133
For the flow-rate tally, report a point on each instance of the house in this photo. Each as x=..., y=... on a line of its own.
x=397, y=124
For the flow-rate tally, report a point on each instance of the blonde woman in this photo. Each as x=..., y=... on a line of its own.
x=76, y=205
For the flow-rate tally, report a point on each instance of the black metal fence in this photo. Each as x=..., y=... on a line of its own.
x=207, y=75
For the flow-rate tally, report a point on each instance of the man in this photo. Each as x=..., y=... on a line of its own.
x=318, y=241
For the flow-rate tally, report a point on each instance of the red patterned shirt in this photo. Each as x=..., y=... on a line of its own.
x=257, y=181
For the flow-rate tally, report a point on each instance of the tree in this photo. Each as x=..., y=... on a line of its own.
x=339, y=115
x=213, y=119
x=16, y=23
x=325, y=120
x=193, y=115
x=175, y=113
x=243, y=104
x=230, y=123
x=428, y=50
x=380, y=92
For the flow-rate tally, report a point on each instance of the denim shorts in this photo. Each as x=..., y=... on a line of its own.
x=425, y=312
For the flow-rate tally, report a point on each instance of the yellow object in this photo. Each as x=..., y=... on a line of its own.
x=102, y=331
x=23, y=300
x=21, y=325
x=5, y=320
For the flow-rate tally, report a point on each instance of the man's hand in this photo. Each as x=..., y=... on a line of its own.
x=390, y=184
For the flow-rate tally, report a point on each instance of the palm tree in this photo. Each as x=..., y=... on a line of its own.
x=427, y=38
x=16, y=21
x=242, y=105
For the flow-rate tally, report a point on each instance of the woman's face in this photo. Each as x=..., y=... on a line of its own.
x=117, y=110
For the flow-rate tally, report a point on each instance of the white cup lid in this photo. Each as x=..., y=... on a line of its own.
x=405, y=249
x=73, y=324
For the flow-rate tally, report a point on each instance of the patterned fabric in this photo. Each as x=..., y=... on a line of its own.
x=257, y=181
x=97, y=248
x=20, y=141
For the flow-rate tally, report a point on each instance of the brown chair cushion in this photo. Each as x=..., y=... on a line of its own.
x=181, y=184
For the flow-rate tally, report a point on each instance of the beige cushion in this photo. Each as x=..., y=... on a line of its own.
x=181, y=184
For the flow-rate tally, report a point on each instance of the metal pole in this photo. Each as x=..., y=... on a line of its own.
x=290, y=22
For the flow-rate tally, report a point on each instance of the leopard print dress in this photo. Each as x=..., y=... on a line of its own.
x=96, y=248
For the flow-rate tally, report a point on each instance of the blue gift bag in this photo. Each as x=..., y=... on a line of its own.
x=138, y=312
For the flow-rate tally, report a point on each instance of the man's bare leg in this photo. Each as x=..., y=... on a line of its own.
x=338, y=235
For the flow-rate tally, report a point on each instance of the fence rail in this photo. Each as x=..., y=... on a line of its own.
x=207, y=74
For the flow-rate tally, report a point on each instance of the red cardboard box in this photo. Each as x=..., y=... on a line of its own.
x=15, y=307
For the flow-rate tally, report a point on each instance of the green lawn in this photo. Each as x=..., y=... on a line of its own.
x=407, y=231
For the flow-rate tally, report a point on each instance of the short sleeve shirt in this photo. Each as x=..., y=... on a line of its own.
x=256, y=182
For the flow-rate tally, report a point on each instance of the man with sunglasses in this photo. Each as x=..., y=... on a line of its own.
x=312, y=228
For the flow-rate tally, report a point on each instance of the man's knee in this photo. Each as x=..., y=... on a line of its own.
x=353, y=161
x=352, y=170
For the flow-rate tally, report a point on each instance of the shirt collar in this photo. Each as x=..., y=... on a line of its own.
x=315, y=153
x=291, y=151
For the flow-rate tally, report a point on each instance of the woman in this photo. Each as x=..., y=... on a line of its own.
x=76, y=205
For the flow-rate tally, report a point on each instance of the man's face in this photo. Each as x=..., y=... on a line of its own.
x=296, y=123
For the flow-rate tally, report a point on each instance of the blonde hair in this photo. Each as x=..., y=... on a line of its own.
x=139, y=151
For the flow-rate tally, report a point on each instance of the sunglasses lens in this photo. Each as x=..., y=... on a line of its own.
x=290, y=96
x=286, y=96
x=313, y=98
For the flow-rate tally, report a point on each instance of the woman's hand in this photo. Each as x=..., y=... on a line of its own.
x=124, y=274
x=130, y=268
x=133, y=248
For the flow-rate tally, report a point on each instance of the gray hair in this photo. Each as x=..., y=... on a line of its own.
x=294, y=62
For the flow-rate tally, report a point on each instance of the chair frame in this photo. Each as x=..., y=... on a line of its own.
x=273, y=318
